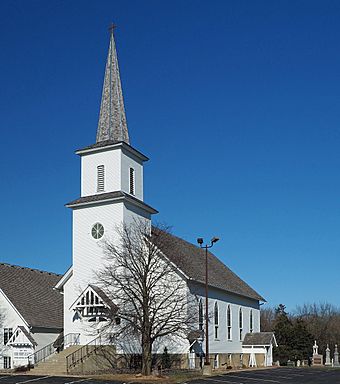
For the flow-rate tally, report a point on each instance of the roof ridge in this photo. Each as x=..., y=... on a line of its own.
x=29, y=268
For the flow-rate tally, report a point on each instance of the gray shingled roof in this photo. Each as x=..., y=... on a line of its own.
x=108, y=143
x=101, y=144
x=31, y=292
x=191, y=260
x=258, y=338
x=112, y=120
x=97, y=197
x=109, y=196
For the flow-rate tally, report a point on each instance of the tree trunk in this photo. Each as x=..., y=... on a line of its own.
x=146, y=355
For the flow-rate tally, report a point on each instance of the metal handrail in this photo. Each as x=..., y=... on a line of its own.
x=80, y=354
x=59, y=344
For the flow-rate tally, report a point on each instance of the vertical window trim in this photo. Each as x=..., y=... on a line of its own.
x=251, y=321
x=132, y=183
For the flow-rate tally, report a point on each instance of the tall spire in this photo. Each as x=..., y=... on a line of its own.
x=112, y=120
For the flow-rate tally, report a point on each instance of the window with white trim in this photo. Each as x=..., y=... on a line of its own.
x=216, y=320
x=132, y=181
x=100, y=178
x=8, y=332
x=240, y=321
x=251, y=321
x=7, y=362
x=200, y=315
x=229, y=334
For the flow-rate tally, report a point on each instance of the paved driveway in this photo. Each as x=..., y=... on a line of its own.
x=276, y=376
x=268, y=376
x=29, y=379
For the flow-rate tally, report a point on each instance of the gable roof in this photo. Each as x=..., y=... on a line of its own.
x=28, y=335
x=32, y=294
x=190, y=259
x=105, y=299
x=259, y=338
x=20, y=329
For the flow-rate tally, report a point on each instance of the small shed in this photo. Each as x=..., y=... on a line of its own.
x=259, y=347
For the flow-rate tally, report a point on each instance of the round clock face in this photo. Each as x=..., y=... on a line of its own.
x=97, y=231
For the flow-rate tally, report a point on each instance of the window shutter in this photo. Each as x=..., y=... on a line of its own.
x=132, y=181
x=100, y=178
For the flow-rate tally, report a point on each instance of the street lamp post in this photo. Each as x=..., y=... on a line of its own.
x=200, y=241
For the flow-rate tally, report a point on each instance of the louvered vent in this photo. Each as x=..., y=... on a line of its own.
x=132, y=181
x=100, y=178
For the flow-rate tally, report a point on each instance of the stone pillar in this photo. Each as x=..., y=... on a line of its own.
x=328, y=357
x=336, y=356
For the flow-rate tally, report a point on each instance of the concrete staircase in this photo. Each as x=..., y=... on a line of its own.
x=54, y=364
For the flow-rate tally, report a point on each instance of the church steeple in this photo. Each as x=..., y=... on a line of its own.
x=112, y=120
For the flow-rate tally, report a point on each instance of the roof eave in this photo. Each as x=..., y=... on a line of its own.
x=257, y=298
x=121, y=144
x=67, y=275
x=122, y=198
x=15, y=309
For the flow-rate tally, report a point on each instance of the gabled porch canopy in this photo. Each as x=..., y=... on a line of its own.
x=93, y=304
x=21, y=338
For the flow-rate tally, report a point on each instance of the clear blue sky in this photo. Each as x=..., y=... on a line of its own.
x=237, y=104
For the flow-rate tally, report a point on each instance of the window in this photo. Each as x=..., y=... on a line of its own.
x=251, y=328
x=229, y=323
x=7, y=362
x=240, y=320
x=100, y=178
x=8, y=332
x=97, y=231
x=216, y=320
x=200, y=315
x=132, y=181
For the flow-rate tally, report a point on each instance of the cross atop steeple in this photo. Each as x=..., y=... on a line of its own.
x=112, y=120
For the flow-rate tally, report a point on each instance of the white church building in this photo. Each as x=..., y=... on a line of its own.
x=111, y=193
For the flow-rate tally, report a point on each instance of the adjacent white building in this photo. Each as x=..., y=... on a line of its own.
x=31, y=313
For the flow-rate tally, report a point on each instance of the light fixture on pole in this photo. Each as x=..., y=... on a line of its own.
x=200, y=241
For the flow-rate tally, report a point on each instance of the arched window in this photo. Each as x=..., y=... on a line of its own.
x=240, y=320
x=200, y=315
x=251, y=327
x=229, y=323
x=216, y=320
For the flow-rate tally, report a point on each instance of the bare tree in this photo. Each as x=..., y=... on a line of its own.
x=152, y=298
x=267, y=319
x=323, y=322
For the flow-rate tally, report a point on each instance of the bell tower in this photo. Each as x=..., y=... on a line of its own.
x=111, y=189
